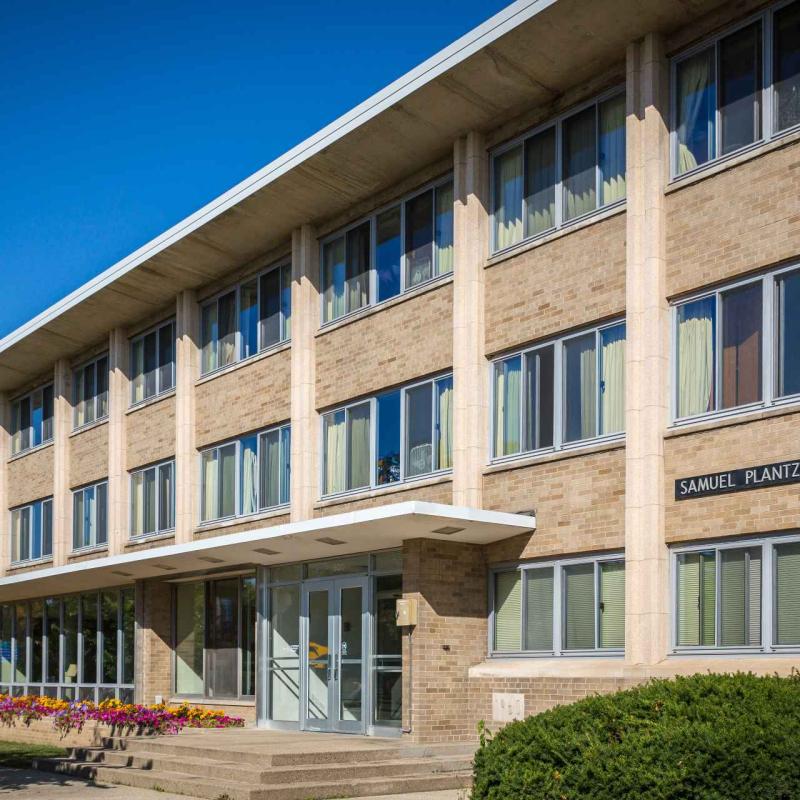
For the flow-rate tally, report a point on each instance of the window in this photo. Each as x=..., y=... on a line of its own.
x=32, y=420
x=153, y=499
x=153, y=363
x=32, y=531
x=395, y=436
x=390, y=252
x=246, y=476
x=90, y=516
x=536, y=191
x=559, y=608
x=722, y=90
x=53, y=646
x=90, y=392
x=727, y=355
x=560, y=393
x=247, y=319
x=738, y=595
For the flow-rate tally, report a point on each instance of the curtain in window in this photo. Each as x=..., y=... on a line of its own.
x=208, y=337
x=696, y=324
x=226, y=347
x=249, y=476
x=540, y=190
x=334, y=278
x=580, y=160
x=335, y=468
x=612, y=379
x=137, y=370
x=612, y=604
x=137, y=504
x=741, y=346
x=612, y=150
x=358, y=249
x=507, y=612
x=740, y=88
x=508, y=188
x=539, y=607
x=740, y=597
x=359, y=446
x=210, y=485
x=444, y=229
x=787, y=594
x=226, y=460
x=444, y=388
x=786, y=67
x=508, y=382
x=248, y=318
x=270, y=469
x=419, y=238
x=581, y=388
x=696, y=108
x=579, y=626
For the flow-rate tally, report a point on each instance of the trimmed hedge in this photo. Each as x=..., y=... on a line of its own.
x=706, y=737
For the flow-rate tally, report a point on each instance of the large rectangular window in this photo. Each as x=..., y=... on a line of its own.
x=246, y=476
x=90, y=516
x=90, y=392
x=721, y=89
x=152, y=370
x=536, y=191
x=559, y=608
x=153, y=500
x=392, y=251
x=32, y=531
x=395, y=436
x=247, y=319
x=724, y=346
x=32, y=420
x=559, y=393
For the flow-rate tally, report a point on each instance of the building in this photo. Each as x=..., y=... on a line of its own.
x=515, y=342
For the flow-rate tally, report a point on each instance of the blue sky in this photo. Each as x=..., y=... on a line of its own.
x=120, y=118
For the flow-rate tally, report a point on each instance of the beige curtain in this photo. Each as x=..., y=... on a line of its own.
x=580, y=176
x=694, y=82
x=508, y=383
x=210, y=485
x=249, y=477
x=334, y=428
x=358, y=432
x=137, y=371
x=226, y=352
x=508, y=198
x=612, y=397
x=445, y=450
x=444, y=229
x=334, y=276
x=612, y=149
x=540, y=163
x=696, y=357
x=358, y=250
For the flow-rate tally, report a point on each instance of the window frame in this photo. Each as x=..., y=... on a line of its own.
x=94, y=545
x=373, y=439
x=81, y=370
x=17, y=402
x=770, y=348
x=44, y=557
x=559, y=394
x=258, y=435
x=768, y=132
x=285, y=322
x=556, y=123
x=558, y=565
x=371, y=218
x=156, y=467
x=160, y=390
x=769, y=609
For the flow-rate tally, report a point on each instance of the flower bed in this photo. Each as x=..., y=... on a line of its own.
x=69, y=716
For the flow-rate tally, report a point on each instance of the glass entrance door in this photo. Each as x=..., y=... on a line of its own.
x=222, y=645
x=334, y=646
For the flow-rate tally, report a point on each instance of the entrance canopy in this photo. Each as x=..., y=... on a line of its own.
x=371, y=529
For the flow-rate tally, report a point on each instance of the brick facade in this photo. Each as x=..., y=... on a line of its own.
x=88, y=457
x=150, y=432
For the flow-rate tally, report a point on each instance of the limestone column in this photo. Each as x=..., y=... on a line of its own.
x=5, y=454
x=62, y=426
x=305, y=420
x=470, y=395
x=119, y=394
x=647, y=354
x=187, y=333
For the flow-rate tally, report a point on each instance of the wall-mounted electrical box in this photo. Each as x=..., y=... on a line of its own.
x=406, y=611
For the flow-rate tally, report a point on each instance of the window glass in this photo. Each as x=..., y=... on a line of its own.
x=540, y=182
x=270, y=308
x=248, y=471
x=579, y=611
x=611, y=149
x=358, y=267
x=696, y=338
x=227, y=479
x=127, y=600
x=52, y=632
x=47, y=528
x=358, y=446
x=612, y=604
x=70, y=664
x=151, y=364
x=419, y=430
x=508, y=188
x=787, y=594
x=166, y=357
x=248, y=317
x=789, y=334
x=36, y=634
x=786, y=66
x=388, y=438
x=209, y=325
x=696, y=592
x=36, y=530
x=419, y=238
x=539, y=403
x=388, y=253
x=274, y=471
x=741, y=345
x=443, y=229
x=248, y=615
x=102, y=513
x=20, y=653
x=612, y=380
x=539, y=608
x=333, y=435
x=579, y=167
x=333, y=271
x=580, y=387
x=740, y=88
x=507, y=611
x=189, y=638
x=37, y=418
x=166, y=497
x=108, y=606
x=443, y=443
x=102, y=387
x=78, y=515
x=286, y=300
x=508, y=384
x=226, y=345
x=740, y=597
x=6, y=638
x=696, y=107
x=284, y=647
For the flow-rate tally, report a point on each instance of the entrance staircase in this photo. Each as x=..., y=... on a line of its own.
x=269, y=765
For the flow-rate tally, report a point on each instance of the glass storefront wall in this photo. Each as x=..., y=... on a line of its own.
x=76, y=647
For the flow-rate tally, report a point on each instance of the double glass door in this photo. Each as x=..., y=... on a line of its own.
x=334, y=696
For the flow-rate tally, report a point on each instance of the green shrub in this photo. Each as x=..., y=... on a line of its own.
x=707, y=737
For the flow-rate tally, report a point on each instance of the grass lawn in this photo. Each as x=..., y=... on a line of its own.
x=20, y=754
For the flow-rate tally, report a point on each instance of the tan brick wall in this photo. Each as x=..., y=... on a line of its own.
x=573, y=280
x=30, y=477
x=734, y=222
x=209, y=531
x=408, y=340
x=744, y=444
x=434, y=493
x=150, y=433
x=245, y=399
x=88, y=456
x=579, y=502
x=449, y=582
x=153, y=656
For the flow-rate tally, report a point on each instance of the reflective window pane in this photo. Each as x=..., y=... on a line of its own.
x=580, y=388
x=696, y=108
x=612, y=380
x=539, y=398
x=611, y=149
x=89, y=637
x=786, y=66
x=189, y=638
x=284, y=646
x=579, y=163
x=789, y=334
x=166, y=357
x=248, y=318
x=540, y=182
x=108, y=606
x=696, y=344
x=388, y=253
x=419, y=430
x=507, y=396
x=507, y=201
x=358, y=447
x=226, y=344
x=579, y=612
x=387, y=468
x=741, y=345
x=740, y=88
x=419, y=239
x=358, y=266
x=333, y=279
x=270, y=308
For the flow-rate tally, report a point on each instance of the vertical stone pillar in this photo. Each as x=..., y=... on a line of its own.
x=470, y=396
x=5, y=454
x=118, y=400
x=187, y=333
x=647, y=354
x=62, y=426
x=305, y=420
